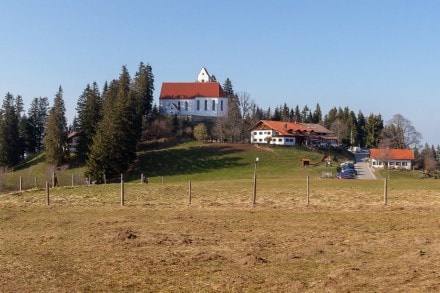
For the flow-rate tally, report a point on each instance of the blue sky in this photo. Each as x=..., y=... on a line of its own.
x=374, y=56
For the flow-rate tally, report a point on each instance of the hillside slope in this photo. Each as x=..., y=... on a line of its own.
x=182, y=162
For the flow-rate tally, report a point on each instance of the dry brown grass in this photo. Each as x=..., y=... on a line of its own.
x=346, y=240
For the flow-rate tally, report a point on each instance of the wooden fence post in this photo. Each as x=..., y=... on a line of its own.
x=47, y=193
x=308, y=190
x=190, y=192
x=21, y=183
x=36, y=185
x=122, y=190
x=73, y=178
x=385, y=192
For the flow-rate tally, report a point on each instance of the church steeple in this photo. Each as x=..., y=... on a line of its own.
x=203, y=76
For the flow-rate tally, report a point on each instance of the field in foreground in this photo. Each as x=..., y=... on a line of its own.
x=345, y=240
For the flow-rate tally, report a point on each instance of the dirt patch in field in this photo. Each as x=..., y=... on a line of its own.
x=126, y=235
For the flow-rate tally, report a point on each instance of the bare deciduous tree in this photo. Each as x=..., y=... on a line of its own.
x=246, y=105
x=399, y=133
x=339, y=128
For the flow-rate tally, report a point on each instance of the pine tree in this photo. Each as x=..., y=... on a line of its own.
x=89, y=109
x=55, y=140
x=228, y=88
x=361, y=133
x=36, y=123
x=317, y=114
x=22, y=126
x=10, y=143
x=285, y=113
x=304, y=114
x=114, y=145
x=352, y=133
x=297, y=114
x=143, y=87
x=330, y=117
x=373, y=128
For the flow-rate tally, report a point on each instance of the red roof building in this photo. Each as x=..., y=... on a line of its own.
x=191, y=90
x=200, y=100
x=392, y=158
x=291, y=133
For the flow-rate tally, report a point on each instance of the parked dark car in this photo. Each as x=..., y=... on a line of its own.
x=349, y=170
x=347, y=174
x=347, y=165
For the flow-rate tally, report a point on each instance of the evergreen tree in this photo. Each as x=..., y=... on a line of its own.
x=297, y=114
x=285, y=113
x=36, y=123
x=227, y=88
x=277, y=114
x=373, y=128
x=317, y=115
x=305, y=114
x=438, y=157
x=22, y=126
x=10, y=143
x=22, y=129
x=114, y=145
x=361, y=133
x=229, y=128
x=352, y=129
x=89, y=109
x=143, y=87
x=330, y=117
x=55, y=140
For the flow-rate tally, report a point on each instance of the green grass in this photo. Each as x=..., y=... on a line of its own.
x=193, y=161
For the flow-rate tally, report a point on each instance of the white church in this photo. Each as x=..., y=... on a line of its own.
x=201, y=100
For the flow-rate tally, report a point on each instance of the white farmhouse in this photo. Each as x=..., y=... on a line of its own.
x=291, y=133
x=392, y=158
x=203, y=99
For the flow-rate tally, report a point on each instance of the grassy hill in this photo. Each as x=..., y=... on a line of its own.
x=184, y=161
x=197, y=161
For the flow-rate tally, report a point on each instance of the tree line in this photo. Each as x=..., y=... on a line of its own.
x=111, y=122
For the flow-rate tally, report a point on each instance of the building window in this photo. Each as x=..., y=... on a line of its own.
x=186, y=105
x=221, y=105
x=213, y=105
x=198, y=105
x=178, y=105
x=206, y=105
x=261, y=133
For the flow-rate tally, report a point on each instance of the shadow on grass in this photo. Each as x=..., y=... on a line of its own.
x=30, y=161
x=187, y=161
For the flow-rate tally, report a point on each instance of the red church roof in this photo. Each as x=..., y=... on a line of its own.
x=190, y=90
x=392, y=154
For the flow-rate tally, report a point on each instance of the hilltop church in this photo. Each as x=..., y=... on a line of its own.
x=202, y=100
